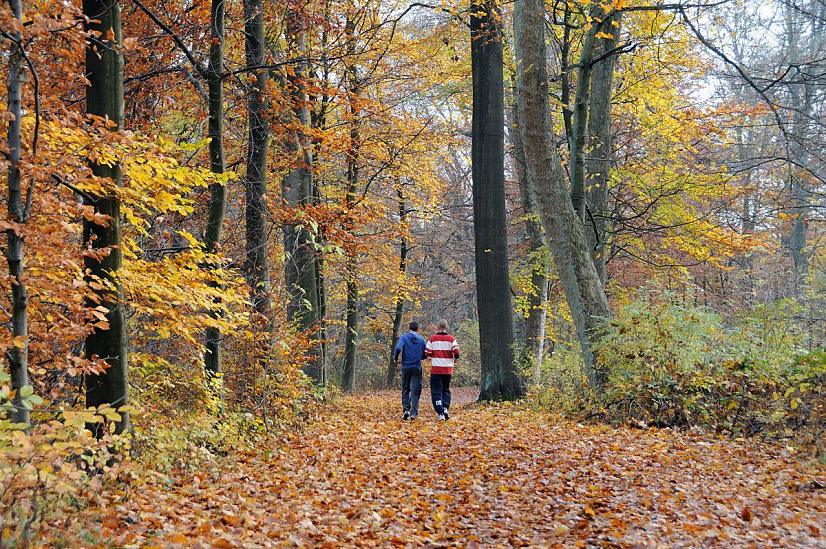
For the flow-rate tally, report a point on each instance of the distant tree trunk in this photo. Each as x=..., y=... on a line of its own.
x=534, y=347
x=18, y=353
x=348, y=374
x=546, y=179
x=104, y=97
x=257, y=264
x=598, y=163
x=397, y=315
x=318, y=120
x=500, y=380
x=300, y=265
x=804, y=44
x=322, y=310
x=217, y=163
x=800, y=199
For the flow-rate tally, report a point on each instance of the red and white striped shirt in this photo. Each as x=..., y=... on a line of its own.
x=443, y=351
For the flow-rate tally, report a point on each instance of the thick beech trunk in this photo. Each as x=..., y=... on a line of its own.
x=104, y=97
x=500, y=380
x=534, y=344
x=18, y=353
x=217, y=162
x=546, y=179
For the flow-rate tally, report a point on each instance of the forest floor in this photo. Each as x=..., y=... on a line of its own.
x=500, y=475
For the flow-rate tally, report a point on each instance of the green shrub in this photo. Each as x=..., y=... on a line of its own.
x=676, y=365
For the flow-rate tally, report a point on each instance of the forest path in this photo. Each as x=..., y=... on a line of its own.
x=497, y=475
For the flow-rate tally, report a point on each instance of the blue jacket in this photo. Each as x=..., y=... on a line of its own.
x=411, y=346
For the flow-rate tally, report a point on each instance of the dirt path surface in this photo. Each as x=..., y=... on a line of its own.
x=491, y=476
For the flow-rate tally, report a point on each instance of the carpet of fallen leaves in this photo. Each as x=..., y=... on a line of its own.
x=500, y=475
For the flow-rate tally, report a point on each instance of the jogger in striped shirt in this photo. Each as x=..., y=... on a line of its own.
x=443, y=351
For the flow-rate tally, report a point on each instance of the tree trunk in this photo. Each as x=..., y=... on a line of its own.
x=18, y=353
x=500, y=380
x=546, y=179
x=217, y=163
x=598, y=164
x=348, y=375
x=257, y=264
x=580, y=121
x=300, y=263
x=800, y=199
x=534, y=346
x=397, y=315
x=104, y=97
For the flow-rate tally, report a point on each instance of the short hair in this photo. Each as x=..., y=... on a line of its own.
x=414, y=326
x=442, y=324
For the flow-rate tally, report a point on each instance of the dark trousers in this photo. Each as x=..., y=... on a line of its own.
x=440, y=392
x=411, y=389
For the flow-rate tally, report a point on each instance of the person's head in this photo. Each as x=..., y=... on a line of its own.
x=414, y=326
x=441, y=326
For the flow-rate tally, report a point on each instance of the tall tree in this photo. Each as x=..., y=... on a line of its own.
x=300, y=263
x=805, y=43
x=257, y=245
x=18, y=354
x=399, y=309
x=598, y=161
x=546, y=179
x=348, y=374
x=217, y=162
x=534, y=344
x=500, y=380
x=104, y=98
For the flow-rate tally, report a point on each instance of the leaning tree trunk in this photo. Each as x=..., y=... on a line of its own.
x=500, y=379
x=104, y=97
x=217, y=163
x=18, y=353
x=257, y=262
x=598, y=163
x=300, y=263
x=397, y=314
x=546, y=178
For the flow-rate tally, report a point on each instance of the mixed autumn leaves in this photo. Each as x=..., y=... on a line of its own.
x=493, y=475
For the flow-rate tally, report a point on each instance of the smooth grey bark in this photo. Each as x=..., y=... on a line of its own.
x=348, y=374
x=18, y=353
x=217, y=162
x=546, y=179
x=580, y=117
x=104, y=97
x=257, y=242
x=500, y=379
x=399, y=310
x=534, y=344
x=600, y=157
x=300, y=265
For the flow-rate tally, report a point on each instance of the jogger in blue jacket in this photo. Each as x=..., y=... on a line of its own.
x=411, y=347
